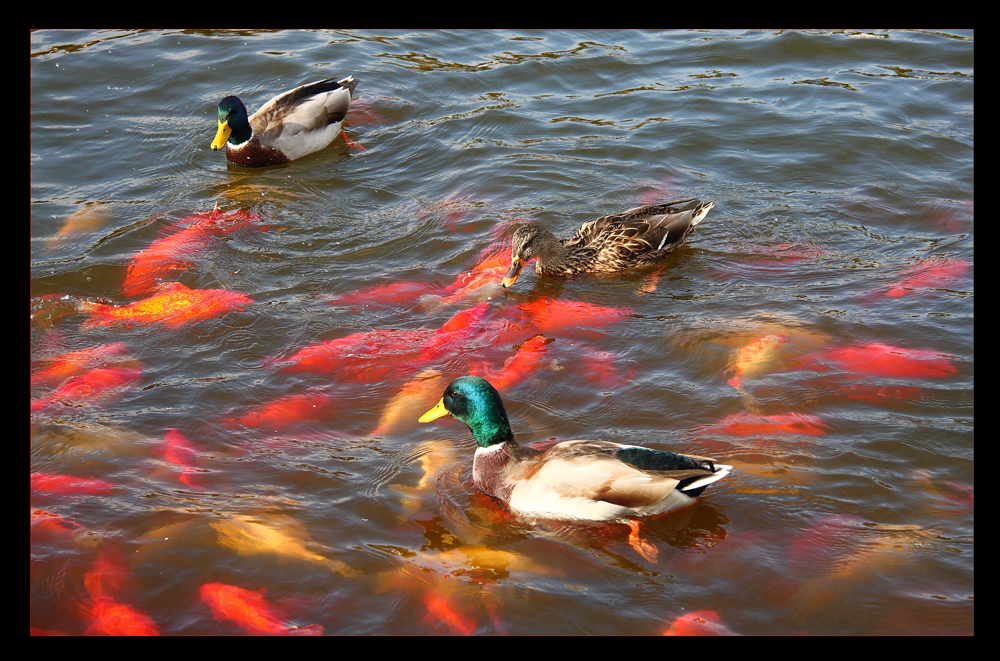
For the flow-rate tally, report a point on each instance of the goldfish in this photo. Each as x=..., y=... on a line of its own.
x=98, y=386
x=414, y=397
x=395, y=293
x=883, y=360
x=698, y=623
x=440, y=608
x=178, y=450
x=86, y=219
x=251, y=611
x=280, y=537
x=59, y=368
x=932, y=274
x=168, y=256
x=368, y=356
x=285, y=412
x=750, y=424
x=528, y=358
x=756, y=357
x=553, y=315
x=50, y=522
x=68, y=484
x=109, y=617
x=174, y=305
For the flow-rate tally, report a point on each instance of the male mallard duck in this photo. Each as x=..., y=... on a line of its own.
x=289, y=126
x=617, y=242
x=591, y=480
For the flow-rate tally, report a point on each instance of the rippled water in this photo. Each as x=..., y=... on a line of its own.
x=815, y=332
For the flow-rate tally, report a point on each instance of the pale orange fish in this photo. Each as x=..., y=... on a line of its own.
x=173, y=306
x=413, y=398
x=89, y=218
x=756, y=358
x=251, y=611
x=277, y=536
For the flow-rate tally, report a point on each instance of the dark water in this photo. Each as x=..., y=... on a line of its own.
x=831, y=285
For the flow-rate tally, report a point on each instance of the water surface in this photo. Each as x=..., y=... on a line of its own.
x=841, y=167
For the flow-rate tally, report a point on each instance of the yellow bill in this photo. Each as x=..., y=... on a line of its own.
x=221, y=135
x=439, y=411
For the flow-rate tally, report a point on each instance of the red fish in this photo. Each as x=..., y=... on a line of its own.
x=698, y=623
x=178, y=450
x=49, y=522
x=439, y=607
x=59, y=368
x=830, y=539
x=528, y=358
x=932, y=274
x=883, y=360
x=750, y=424
x=98, y=386
x=170, y=255
x=552, y=316
x=68, y=484
x=251, y=611
x=395, y=293
x=112, y=618
x=367, y=356
x=173, y=306
x=285, y=412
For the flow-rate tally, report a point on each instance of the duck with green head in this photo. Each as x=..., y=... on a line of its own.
x=584, y=480
x=616, y=242
x=289, y=126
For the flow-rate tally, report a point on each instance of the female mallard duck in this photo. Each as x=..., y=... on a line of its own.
x=617, y=242
x=590, y=480
x=289, y=126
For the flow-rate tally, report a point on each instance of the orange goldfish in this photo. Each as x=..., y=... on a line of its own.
x=177, y=449
x=397, y=292
x=529, y=357
x=251, y=611
x=59, y=368
x=68, y=484
x=173, y=306
x=285, y=412
x=50, y=522
x=750, y=424
x=876, y=359
x=167, y=257
x=98, y=386
x=439, y=607
x=112, y=618
x=698, y=623
x=932, y=274
x=367, y=356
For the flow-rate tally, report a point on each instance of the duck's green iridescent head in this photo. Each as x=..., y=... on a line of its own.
x=234, y=125
x=476, y=403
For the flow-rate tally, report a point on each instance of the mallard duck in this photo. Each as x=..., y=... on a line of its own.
x=617, y=242
x=582, y=480
x=289, y=126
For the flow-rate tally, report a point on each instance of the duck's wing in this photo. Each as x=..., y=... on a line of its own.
x=625, y=476
x=640, y=235
x=310, y=107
